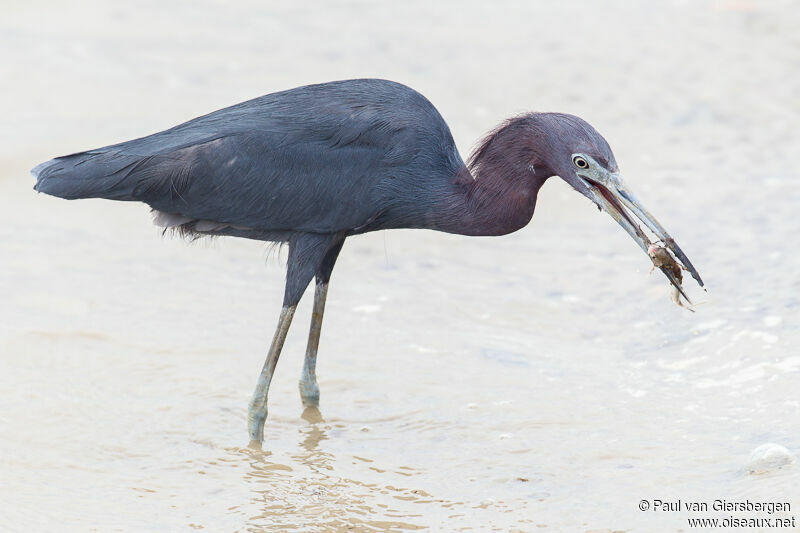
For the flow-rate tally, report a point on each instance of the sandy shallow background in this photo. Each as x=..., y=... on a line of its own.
x=536, y=382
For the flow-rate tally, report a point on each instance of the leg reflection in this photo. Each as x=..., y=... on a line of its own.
x=313, y=436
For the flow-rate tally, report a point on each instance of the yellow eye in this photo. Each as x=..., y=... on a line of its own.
x=580, y=162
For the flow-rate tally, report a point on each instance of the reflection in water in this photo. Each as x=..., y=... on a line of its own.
x=303, y=491
x=316, y=433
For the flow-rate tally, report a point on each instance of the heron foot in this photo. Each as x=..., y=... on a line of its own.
x=256, y=417
x=309, y=392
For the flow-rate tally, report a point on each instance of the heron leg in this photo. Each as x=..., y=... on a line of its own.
x=309, y=389
x=307, y=255
x=257, y=412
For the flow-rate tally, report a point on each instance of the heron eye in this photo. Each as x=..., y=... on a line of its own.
x=580, y=162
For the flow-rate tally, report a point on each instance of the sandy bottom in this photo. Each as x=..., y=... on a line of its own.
x=536, y=382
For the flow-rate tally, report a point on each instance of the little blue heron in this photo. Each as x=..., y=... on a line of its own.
x=311, y=166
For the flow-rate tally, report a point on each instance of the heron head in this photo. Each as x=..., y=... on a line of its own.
x=573, y=150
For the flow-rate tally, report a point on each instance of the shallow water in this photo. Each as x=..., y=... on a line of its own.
x=535, y=382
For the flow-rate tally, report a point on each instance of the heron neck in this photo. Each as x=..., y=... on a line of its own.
x=491, y=201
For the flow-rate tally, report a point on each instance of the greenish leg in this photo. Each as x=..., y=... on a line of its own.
x=257, y=413
x=309, y=389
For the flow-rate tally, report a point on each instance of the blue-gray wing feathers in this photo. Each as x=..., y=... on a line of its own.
x=318, y=159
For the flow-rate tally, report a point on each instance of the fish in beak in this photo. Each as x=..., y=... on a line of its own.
x=606, y=190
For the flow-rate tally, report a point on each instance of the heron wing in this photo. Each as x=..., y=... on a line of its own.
x=241, y=169
x=320, y=158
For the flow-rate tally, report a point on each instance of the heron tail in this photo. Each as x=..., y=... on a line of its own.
x=92, y=174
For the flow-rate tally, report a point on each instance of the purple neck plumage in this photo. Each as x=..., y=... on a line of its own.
x=495, y=193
